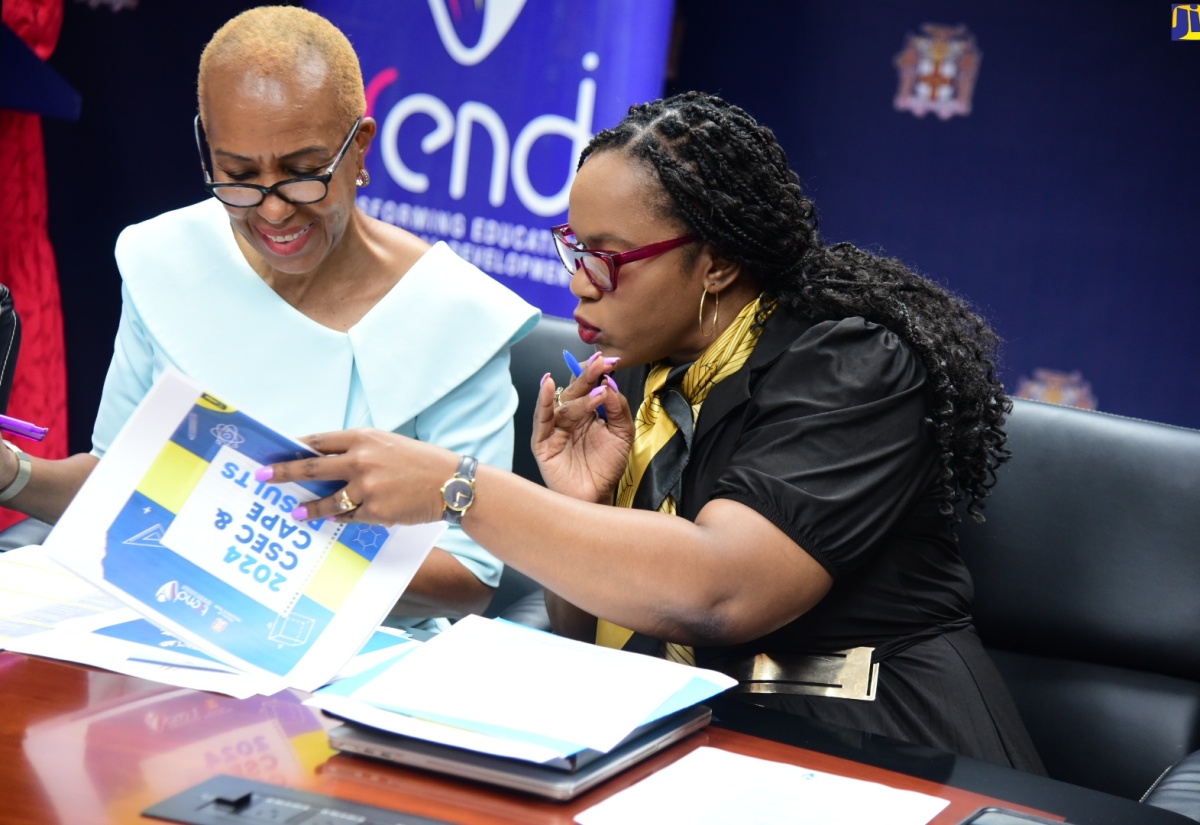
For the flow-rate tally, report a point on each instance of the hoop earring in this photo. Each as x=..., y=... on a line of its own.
x=364, y=178
x=716, y=312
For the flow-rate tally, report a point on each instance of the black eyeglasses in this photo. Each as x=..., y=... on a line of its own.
x=599, y=266
x=308, y=189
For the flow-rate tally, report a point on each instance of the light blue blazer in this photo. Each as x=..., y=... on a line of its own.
x=430, y=360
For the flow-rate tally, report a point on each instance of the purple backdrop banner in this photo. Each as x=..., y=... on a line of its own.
x=483, y=107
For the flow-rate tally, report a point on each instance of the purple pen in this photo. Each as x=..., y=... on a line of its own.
x=22, y=428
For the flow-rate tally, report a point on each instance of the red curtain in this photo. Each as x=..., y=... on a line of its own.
x=27, y=265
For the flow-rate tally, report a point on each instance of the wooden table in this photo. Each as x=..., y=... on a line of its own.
x=80, y=745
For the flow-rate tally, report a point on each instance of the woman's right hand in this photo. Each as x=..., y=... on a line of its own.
x=579, y=453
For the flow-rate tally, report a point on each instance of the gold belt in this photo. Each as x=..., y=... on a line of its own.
x=845, y=674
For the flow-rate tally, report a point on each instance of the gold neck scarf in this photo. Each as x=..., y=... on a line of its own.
x=660, y=448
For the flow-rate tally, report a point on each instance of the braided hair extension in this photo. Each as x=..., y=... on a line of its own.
x=727, y=178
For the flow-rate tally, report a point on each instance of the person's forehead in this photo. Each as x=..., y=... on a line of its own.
x=275, y=82
x=616, y=196
x=615, y=175
x=283, y=103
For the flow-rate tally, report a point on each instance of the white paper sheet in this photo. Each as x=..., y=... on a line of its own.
x=514, y=682
x=37, y=593
x=173, y=523
x=714, y=787
x=110, y=654
x=385, y=720
x=46, y=610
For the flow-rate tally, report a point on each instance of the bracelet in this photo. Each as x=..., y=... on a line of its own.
x=24, y=471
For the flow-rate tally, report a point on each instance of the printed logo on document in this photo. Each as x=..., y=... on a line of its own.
x=1185, y=21
x=173, y=591
x=490, y=19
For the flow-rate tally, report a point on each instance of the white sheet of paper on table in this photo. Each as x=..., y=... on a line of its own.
x=710, y=786
x=36, y=593
x=47, y=610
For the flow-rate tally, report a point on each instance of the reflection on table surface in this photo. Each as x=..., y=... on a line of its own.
x=81, y=746
x=131, y=742
x=91, y=746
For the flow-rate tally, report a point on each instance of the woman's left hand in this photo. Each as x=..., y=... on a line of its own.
x=390, y=479
x=579, y=453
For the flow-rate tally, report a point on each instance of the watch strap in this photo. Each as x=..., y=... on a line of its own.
x=24, y=471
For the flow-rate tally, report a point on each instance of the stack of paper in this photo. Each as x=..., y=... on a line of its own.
x=505, y=689
x=172, y=526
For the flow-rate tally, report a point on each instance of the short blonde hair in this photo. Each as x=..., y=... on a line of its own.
x=278, y=40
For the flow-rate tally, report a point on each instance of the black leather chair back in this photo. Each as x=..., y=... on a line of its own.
x=27, y=530
x=538, y=353
x=1087, y=576
x=10, y=344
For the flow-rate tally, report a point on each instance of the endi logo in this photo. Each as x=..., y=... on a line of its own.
x=453, y=16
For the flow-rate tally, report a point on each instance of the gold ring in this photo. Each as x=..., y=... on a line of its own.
x=345, y=505
x=558, y=391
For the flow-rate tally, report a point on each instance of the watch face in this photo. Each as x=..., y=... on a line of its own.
x=458, y=494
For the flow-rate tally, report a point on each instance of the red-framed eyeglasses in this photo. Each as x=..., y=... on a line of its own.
x=599, y=266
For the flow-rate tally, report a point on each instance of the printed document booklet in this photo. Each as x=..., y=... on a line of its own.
x=495, y=687
x=173, y=523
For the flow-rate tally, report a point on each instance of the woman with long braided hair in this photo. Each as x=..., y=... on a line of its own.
x=761, y=468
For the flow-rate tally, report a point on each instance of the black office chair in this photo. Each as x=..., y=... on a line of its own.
x=26, y=531
x=519, y=598
x=10, y=344
x=1178, y=789
x=1087, y=578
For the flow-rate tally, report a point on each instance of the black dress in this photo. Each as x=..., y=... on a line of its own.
x=823, y=432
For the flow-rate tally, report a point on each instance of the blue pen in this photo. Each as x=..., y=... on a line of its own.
x=577, y=370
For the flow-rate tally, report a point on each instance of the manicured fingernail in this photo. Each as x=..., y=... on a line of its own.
x=300, y=513
x=596, y=392
x=609, y=380
x=544, y=377
x=264, y=473
x=610, y=361
x=594, y=356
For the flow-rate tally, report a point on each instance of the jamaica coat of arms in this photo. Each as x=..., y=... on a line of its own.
x=937, y=71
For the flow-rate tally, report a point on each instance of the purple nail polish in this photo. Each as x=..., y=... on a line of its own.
x=594, y=356
x=543, y=381
x=610, y=361
x=264, y=473
x=300, y=513
x=596, y=392
x=609, y=380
